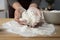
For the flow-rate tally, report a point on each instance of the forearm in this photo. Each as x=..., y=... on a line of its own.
x=35, y=3
x=16, y=5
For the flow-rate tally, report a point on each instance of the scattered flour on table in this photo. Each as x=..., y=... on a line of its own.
x=24, y=30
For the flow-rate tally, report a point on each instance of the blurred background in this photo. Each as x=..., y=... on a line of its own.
x=5, y=7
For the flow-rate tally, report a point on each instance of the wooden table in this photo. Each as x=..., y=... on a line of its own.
x=10, y=36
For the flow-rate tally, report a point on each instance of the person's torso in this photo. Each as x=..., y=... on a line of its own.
x=25, y=3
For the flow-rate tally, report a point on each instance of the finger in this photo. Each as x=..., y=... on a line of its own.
x=36, y=14
x=23, y=22
x=16, y=15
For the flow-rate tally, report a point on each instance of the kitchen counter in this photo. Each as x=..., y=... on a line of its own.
x=10, y=36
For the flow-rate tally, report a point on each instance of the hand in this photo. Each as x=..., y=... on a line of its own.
x=18, y=14
x=37, y=14
x=23, y=22
x=19, y=10
x=35, y=10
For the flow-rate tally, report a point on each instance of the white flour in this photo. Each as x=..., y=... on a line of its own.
x=31, y=17
x=24, y=30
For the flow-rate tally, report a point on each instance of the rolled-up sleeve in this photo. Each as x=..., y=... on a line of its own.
x=36, y=1
x=11, y=2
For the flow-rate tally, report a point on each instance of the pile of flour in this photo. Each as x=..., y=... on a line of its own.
x=25, y=31
x=32, y=16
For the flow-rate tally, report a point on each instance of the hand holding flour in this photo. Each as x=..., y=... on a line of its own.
x=18, y=13
x=36, y=15
x=32, y=16
x=29, y=17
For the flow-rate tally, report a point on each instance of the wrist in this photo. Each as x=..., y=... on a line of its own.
x=16, y=5
x=33, y=5
x=19, y=8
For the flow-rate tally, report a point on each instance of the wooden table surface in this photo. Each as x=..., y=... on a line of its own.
x=10, y=36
